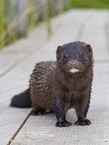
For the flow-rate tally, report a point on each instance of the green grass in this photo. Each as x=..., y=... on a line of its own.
x=48, y=19
x=89, y=4
x=2, y=23
x=33, y=16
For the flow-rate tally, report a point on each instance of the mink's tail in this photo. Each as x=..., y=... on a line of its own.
x=22, y=100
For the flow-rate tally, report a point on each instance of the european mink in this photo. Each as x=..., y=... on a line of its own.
x=61, y=85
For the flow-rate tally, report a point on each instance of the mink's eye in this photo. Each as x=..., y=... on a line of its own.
x=80, y=56
x=66, y=56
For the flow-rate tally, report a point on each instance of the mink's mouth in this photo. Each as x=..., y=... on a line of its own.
x=73, y=70
x=72, y=66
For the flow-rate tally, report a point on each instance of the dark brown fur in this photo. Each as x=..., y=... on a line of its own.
x=54, y=87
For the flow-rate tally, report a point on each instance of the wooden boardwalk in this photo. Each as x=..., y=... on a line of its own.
x=17, y=127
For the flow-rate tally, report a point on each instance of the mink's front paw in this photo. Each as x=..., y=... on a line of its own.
x=83, y=122
x=63, y=124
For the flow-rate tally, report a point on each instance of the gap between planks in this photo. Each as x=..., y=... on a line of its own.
x=18, y=130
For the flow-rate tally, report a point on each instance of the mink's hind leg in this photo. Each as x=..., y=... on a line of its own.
x=81, y=111
x=38, y=112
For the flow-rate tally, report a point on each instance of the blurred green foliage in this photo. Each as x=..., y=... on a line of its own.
x=2, y=22
x=89, y=4
x=6, y=15
x=8, y=20
x=33, y=14
x=48, y=17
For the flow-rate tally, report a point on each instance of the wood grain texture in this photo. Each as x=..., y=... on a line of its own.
x=41, y=129
x=15, y=53
x=17, y=62
x=94, y=33
x=85, y=25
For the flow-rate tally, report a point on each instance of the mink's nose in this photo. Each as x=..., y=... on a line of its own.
x=73, y=63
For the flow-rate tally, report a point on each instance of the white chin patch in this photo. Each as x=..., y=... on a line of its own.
x=73, y=70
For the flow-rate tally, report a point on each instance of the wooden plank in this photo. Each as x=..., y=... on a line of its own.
x=94, y=33
x=69, y=31
x=16, y=80
x=12, y=83
x=11, y=118
x=41, y=129
x=16, y=52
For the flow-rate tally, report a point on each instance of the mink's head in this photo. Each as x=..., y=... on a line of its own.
x=74, y=57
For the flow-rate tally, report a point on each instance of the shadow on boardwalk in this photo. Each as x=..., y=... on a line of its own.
x=17, y=62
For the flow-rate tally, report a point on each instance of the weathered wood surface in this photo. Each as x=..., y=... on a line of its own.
x=85, y=25
x=17, y=62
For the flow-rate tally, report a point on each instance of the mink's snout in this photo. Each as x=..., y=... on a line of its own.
x=72, y=63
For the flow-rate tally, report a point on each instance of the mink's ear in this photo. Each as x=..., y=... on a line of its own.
x=59, y=48
x=88, y=46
